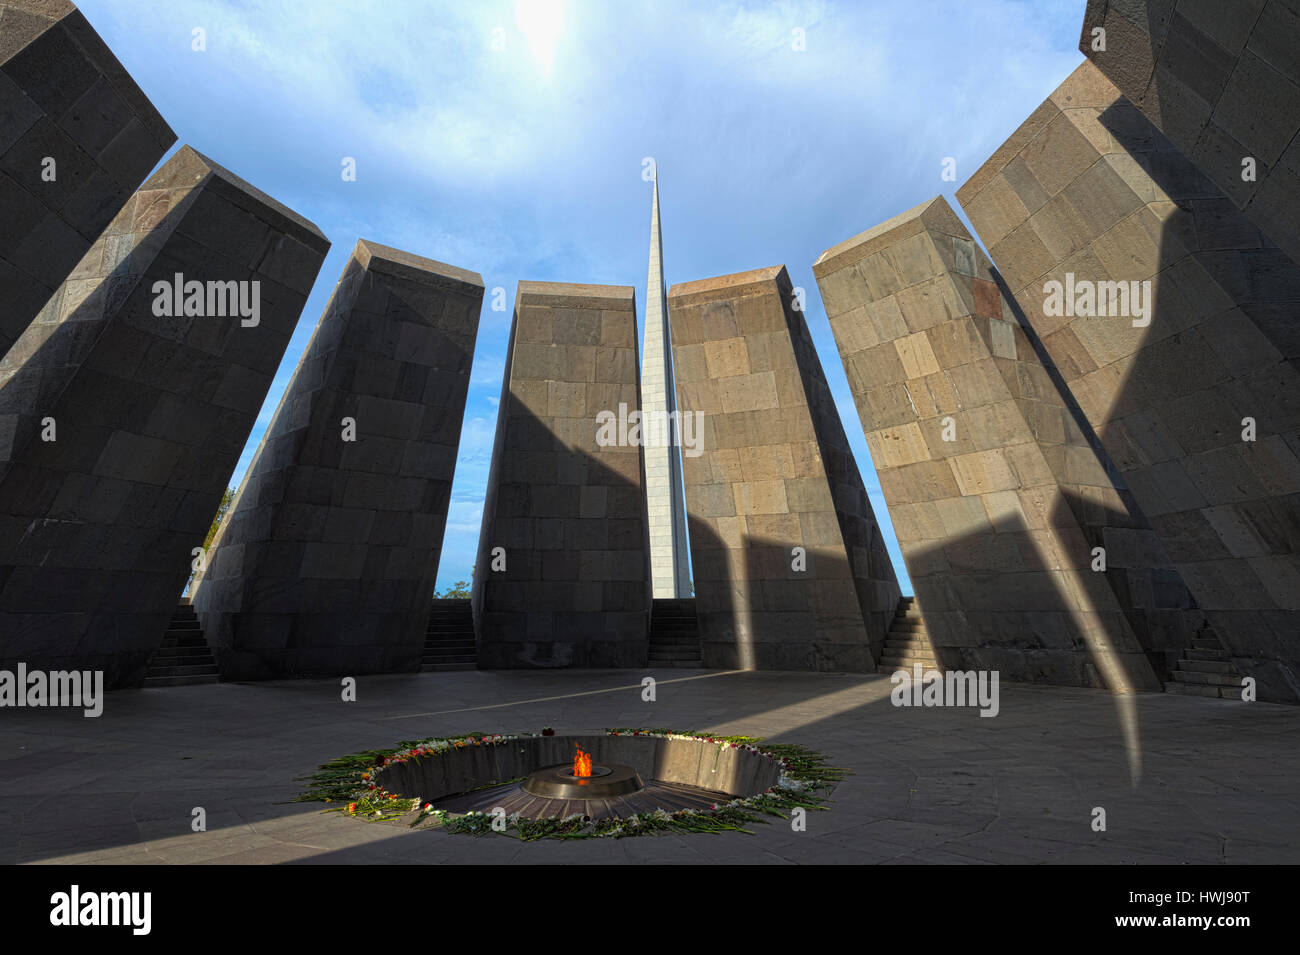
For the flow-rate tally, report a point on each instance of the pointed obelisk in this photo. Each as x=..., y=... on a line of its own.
x=669, y=553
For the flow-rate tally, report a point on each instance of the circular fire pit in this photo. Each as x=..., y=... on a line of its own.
x=596, y=777
x=626, y=782
x=559, y=782
x=666, y=781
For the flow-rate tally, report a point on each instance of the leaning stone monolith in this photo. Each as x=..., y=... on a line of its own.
x=125, y=406
x=790, y=568
x=327, y=562
x=563, y=572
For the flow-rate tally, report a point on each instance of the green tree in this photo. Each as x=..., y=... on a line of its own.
x=219, y=516
x=460, y=590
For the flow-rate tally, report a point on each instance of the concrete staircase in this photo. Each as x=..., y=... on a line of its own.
x=907, y=642
x=674, y=634
x=1205, y=670
x=449, y=641
x=184, y=657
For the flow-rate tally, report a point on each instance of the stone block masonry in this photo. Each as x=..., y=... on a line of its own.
x=77, y=137
x=563, y=571
x=328, y=560
x=1222, y=82
x=790, y=568
x=996, y=495
x=122, y=416
x=1171, y=318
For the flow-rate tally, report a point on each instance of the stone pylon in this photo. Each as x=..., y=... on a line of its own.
x=125, y=406
x=669, y=550
x=562, y=577
x=997, y=496
x=77, y=136
x=327, y=562
x=1171, y=319
x=791, y=571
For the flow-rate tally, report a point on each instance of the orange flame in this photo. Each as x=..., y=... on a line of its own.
x=581, y=762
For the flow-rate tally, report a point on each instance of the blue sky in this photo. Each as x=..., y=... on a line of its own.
x=508, y=138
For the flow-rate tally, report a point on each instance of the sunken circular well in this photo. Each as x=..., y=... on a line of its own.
x=523, y=775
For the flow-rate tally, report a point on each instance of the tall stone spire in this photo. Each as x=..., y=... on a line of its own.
x=669, y=554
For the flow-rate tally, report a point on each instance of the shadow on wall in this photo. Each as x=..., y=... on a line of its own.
x=1226, y=301
x=571, y=532
x=756, y=612
x=1151, y=594
x=790, y=568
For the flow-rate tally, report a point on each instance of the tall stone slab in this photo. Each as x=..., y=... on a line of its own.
x=996, y=494
x=790, y=568
x=125, y=406
x=1222, y=82
x=666, y=503
x=77, y=136
x=1169, y=365
x=563, y=571
x=327, y=562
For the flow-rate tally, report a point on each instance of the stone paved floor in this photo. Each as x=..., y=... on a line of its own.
x=1220, y=780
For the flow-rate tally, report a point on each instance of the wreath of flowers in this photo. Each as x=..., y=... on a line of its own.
x=350, y=781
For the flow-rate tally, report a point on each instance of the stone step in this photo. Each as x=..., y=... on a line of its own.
x=163, y=658
x=183, y=643
x=890, y=669
x=450, y=658
x=207, y=669
x=674, y=640
x=446, y=667
x=1205, y=666
x=907, y=663
x=890, y=653
x=676, y=664
x=1200, y=689
x=167, y=650
x=907, y=643
x=1215, y=679
x=1205, y=655
x=658, y=654
x=1199, y=643
x=440, y=652
x=183, y=626
x=151, y=682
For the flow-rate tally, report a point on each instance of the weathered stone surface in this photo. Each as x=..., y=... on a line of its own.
x=327, y=562
x=1168, y=396
x=775, y=474
x=148, y=414
x=996, y=493
x=65, y=99
x=1222, y=82
x=567, y=512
